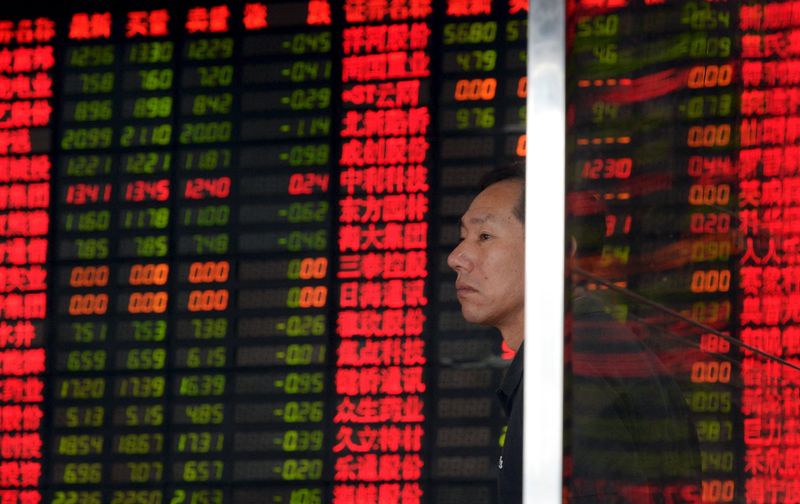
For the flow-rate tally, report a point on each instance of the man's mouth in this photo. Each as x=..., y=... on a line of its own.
x=464, y=289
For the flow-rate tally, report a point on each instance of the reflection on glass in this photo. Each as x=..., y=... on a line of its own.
x=684, y=227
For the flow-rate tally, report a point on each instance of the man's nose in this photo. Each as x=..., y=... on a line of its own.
x=458, y=259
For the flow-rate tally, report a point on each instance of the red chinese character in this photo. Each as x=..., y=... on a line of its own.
x=347, y=381
x=751, y=46
x=389, y=492
x=352, y=153
x=753, y=102
x=79, y=27
x=31, y=418
x=772, y=309
x=343, y=494
x=391, y=352
x=349, y=266
x=752, y=73
x=418, y=121
x=750, y=279
x=350, y=209
x=353, y=39
x=415, y=235
x=748, y=224
x=393, y=294
x=389, y=150
x=355, y=11
x=370, y=295
x=218, y=19
x=255, y=16
x=412, y=466
x=389, y=470
x=137, y=24
x=417, y=9
x=159, y=22
x=790, y=401
x=347, y=323
x=100, y=25
x=791, y=340
x=396, y=37
x=393, y=236
x=374, y=180
x=752, y=432
x=771, y=276
x=392, y=323
x=30, y=497
x=197, y=20
x=373, y=237
x=414, y=293
x=376, y=10
x=348, y=295
x=11, y=418
x=349, y=238
x=32, y=390
x=750, y=193
x=367, y=494
x=44, y=29
x=777, y=102
x=38, y=223
x=30, y=473
x=412, y=493
x=417, y=150
x=414, y=322
x=416, y=207
x=750, y=17
x=412, y=380
x=36, y=251
x=12, y=306
x=413, y=351
x=10, y=474
x=772, y=161
x=23, y=60
x=24, y=34
x=394, y=208
x=319, y=13
x=517, y=6
x=371, y=265
x=348, y=353
x=349, y=179
x=416, y=178
x=6, y=32
x=372, y=210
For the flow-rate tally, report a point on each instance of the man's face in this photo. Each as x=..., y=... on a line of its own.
x=490, y=259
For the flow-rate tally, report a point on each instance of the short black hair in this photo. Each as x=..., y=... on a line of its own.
x=512, y=171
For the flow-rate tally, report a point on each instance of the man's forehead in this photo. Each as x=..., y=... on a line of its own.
x=496, y=202
x=478, y=216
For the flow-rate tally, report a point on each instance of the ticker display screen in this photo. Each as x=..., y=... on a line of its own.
x=223, y=233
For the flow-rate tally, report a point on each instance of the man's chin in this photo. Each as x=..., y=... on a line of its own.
x=473, y=318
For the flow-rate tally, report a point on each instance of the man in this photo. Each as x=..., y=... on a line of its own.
x=490, y=263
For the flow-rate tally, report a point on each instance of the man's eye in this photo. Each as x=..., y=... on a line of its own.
x=485, y=236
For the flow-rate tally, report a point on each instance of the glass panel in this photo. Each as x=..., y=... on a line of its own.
x=682, y=159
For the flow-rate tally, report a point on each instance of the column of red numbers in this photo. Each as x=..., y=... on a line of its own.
x=769, y=269
x=26, y=57
x=383, y=239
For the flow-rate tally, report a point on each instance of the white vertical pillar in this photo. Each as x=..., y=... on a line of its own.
x=544, y=246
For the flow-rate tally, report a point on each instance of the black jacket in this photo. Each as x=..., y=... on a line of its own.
x=509, y=479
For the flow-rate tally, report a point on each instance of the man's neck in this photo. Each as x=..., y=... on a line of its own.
x=513, y=337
